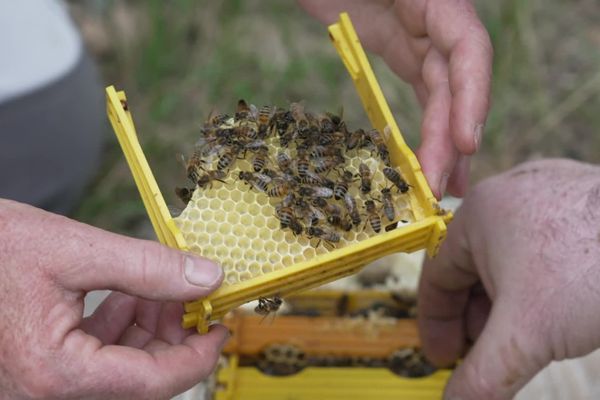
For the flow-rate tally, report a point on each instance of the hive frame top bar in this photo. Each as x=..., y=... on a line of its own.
x=428, y=230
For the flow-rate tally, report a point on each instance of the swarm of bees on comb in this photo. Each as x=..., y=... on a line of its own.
x=307, y=176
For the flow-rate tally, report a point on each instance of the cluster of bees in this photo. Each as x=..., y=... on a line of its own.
x=285, y=359
x=298, y=159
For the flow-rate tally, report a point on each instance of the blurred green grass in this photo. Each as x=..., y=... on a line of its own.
x=179, y=60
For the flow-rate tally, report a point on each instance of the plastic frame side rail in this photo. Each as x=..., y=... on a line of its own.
x=164, y=226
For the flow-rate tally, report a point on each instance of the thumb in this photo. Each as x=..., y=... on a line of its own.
x=97, y=259
x=504, y=358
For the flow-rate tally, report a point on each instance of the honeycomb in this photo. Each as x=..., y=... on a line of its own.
x=237, y=226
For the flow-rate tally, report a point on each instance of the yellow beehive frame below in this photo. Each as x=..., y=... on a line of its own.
x=248, y=383
x=428, y=230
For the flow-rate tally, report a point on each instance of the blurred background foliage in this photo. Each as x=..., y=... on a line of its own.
x=180, y=59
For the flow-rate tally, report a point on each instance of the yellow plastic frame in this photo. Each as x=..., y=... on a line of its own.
x=248, y=383
x=427, y=232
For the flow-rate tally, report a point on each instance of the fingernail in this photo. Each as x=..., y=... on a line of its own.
x=443, y=183
x=226, y=339
x=202, y=272
x=478, y=135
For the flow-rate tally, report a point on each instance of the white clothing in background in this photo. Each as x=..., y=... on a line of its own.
x=39, y=44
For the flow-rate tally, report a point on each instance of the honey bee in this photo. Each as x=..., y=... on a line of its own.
x=352, y=209
x=209, y=147
x=325, y=123
x=217, y=119
x=326, y=182
x=330, y=138
x=313, y=128
x=325, y=164
x=328, y=235
x=289, y=200
x=184, y=194
x=326, y=151
x=309, y=213
x=245, y=132
x=302, y=164
x=265, y=115
x=395, y=225
x=333, y=213
x=287, y=136
x=284, y=161
x=282, y=120
x=344, y=223
x=394, y=176
x=312, y=178
x=256, y=180
x=255, y=145
x=213, y=140
x=338, y=121
x=280, y=188
x=194, y=165
x=324, y=205
x=228, y=157
x=287, y=219
x=341, y=187
x=373, y=216
x=271, y=173
x=243, y=112
x=388, y=204
x=302, y=124
x=260, y=158
x=378, y=141
x=268, y=305
x=210, y=176
x=315, y=191
x=365, y=177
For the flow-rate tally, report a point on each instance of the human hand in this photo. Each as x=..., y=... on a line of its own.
x=130, y=347
x=442, y=49
x=519, y=275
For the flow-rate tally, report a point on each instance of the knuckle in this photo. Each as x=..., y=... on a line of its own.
x=152, y=255
x=160, y=267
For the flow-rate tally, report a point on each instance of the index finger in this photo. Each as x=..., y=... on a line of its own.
x=457, y=32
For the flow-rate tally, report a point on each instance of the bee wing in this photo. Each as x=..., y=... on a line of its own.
x=341, y=112
x=325, y=192
x=253, y=112
x=201, y=142
x=271, y=319
x=320, y=214
x=210, y=115
x=181, y=158
x=314, y=175
x=264, y=177
x=174, y=211
x=387, y=132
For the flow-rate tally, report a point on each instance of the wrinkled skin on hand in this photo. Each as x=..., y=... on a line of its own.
x=519, y=274
x=441, y=48
x=133, y=345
